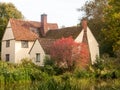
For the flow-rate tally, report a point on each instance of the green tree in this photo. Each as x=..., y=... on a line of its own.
x=94, y=8
x=7, y=11
x=111, y=31
x=94, y=12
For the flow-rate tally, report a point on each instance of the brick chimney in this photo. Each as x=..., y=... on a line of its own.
x=44, y=25
x=85, y=41
x=84, y=26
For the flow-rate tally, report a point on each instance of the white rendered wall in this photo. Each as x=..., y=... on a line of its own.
x=8, y=35
x=8, y=50
x=79, y=37
x=37, y=49
x=20, y=52
x=93, y=46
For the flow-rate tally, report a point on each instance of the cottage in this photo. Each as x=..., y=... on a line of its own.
x=31, y=39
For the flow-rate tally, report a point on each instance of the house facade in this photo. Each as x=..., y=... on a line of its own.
x=30, y=39
x=92, y=44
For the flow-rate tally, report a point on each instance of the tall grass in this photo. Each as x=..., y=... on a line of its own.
x=97, y=77
x=20, y=73
x=57, y=83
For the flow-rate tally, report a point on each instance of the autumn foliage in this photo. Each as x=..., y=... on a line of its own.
x=84, y=55
x=67, y=53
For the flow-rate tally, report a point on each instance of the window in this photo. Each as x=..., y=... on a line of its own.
x=24, y=44
x=35, y=30
x=37, y=57
x=7, y=57
x=8, y=43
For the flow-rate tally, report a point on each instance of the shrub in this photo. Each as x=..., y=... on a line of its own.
x=48, y=61
x=66, y=52
x=49, y=70
x=81, y=73
x=66, y=76
x=50, y=67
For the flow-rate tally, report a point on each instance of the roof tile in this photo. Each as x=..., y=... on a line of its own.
x=21, y=30
x=46, y=44
x=64, y=32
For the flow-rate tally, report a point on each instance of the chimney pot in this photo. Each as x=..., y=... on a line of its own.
x=44, y=24
x=84, y=24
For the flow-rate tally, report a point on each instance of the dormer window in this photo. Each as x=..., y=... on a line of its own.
x=24, y=44
x=8, y=43
x=35, y=30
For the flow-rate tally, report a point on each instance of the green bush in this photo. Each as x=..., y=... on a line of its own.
x=49, y=70
x=66, y=76
x=50, y=67
x=117, y=73
x=81, y=73
x=24, y=72
x=48, y=61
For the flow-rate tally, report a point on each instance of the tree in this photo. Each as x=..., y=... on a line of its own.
x=67, y=53
x=112, y=30
x=94, y=12
x=84, y=55
x=94, y=8
x=7, y=11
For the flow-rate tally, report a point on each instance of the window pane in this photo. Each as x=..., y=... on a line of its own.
x=7, y=57
x=8, y=43
x=24, y=44
x=37, y=57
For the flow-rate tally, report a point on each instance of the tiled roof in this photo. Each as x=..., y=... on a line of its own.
x=21, y=29
x=46, y=44
x=64, y=32
x=52, y=26
x=53, y=35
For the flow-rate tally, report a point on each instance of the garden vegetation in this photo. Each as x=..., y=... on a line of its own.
x=52, y=77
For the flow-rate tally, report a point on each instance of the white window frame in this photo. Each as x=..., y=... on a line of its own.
x=37, y=57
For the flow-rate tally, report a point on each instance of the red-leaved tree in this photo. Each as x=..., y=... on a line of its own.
x=66, y=52
x=84, y=55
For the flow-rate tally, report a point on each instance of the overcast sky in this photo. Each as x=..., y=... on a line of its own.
x=63, y=12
